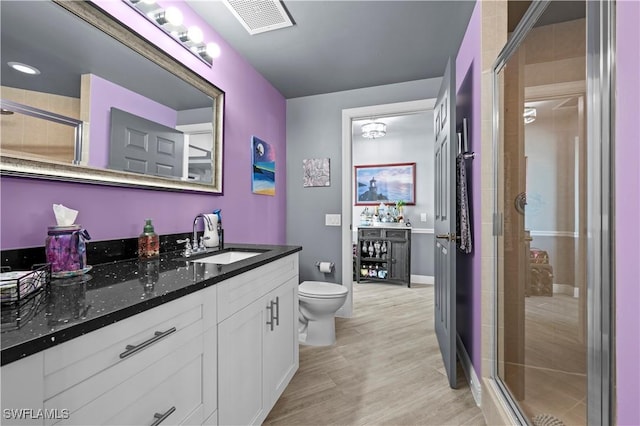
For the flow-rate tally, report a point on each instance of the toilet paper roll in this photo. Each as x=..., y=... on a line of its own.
x=325, y=267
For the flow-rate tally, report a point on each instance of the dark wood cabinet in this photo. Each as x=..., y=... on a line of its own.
x=383, y=254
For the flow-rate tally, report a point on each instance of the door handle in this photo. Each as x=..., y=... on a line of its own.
x=448, y=237
x=277, y=310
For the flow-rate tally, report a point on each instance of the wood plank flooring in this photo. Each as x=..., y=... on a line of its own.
x=385, y=368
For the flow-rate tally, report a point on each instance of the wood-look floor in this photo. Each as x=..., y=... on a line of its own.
x=385, y=368
x=555, y=380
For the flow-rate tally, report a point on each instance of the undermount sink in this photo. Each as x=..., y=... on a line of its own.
x=227, y=257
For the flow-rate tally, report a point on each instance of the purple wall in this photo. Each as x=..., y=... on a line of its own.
x=468, y=65
x=627, y=208
x=252, y=107
x=104, y=95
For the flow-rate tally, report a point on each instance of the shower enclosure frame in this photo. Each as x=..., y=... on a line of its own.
x=600, y=27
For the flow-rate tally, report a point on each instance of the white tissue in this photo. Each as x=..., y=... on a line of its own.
x=64, y=215
x=325, y=267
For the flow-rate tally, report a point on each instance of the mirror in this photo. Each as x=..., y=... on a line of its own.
x=106, y=107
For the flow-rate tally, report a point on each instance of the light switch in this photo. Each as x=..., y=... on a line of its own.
x=332, y=219
x=423, y=217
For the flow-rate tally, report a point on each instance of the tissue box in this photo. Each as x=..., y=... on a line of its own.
x=65, y=248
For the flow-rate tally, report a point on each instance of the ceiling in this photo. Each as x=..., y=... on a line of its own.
x=338, y=45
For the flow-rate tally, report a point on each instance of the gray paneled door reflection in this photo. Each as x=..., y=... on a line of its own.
x=142, y=146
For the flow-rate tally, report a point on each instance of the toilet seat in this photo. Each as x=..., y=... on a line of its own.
x=321, y=290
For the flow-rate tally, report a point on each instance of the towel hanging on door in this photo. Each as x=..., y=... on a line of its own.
x=463, y=221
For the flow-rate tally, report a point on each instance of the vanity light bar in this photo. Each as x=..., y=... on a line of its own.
x=170, y=20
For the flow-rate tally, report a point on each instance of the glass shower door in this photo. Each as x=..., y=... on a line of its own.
x=542, y=195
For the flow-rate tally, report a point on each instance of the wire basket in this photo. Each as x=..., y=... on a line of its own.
x=19, y=286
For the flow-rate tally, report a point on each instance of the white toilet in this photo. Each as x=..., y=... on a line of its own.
x=319, y=302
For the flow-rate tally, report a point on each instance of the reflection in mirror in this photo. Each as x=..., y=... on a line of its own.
x=145, y=119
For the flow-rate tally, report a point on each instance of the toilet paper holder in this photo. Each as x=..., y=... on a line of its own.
x=331, y=265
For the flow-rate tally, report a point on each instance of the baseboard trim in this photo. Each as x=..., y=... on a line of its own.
x=422, y=279
x=567, y=289
x=469, y=371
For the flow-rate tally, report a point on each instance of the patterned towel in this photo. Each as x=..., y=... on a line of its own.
x=463, y=221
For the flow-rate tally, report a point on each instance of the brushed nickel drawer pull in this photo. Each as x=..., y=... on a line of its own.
x=277, y=310
x=159, y=418
x=132, y=349
x=271, y=320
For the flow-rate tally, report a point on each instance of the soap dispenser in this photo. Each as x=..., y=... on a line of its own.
x=148, y=242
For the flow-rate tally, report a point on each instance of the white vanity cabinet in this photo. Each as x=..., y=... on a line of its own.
x=157, y=364
x=220, y=355
x=257, y=340
x=161, y=362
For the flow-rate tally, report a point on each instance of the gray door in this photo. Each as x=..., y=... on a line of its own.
x=142, y=146
x=445, y=221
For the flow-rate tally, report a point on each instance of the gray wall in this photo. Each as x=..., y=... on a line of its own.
x=314, y=130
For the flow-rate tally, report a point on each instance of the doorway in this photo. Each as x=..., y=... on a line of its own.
x=349, y=116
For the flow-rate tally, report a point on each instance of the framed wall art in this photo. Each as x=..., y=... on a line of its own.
x=385, y=183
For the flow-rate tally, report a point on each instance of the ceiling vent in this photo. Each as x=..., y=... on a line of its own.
x=259, y=16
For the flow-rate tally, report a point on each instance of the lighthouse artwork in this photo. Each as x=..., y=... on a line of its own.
x=387, y=183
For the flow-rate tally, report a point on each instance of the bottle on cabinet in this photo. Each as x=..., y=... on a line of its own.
x=148, y=242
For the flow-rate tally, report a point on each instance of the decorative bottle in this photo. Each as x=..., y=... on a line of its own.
x=148, y=242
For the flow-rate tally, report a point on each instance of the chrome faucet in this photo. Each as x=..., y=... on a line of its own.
x=195, y=246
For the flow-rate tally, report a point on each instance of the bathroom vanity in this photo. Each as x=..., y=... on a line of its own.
x=205, y=344
x=383, y=253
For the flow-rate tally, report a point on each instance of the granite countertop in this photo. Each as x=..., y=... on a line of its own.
x=114, y=291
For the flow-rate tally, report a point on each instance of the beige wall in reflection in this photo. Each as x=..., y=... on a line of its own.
x=34, y=137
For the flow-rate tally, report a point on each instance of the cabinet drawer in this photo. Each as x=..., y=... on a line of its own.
x=400, y=234
x=72, y=362
x=174, y=381
x=239, y=291
x=370, y=233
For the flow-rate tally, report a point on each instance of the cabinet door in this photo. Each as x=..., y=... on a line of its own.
x=22, y=390
x=281, y=342
x=400, y=255
x=240, y=370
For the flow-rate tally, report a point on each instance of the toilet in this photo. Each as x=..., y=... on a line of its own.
x=319, y=302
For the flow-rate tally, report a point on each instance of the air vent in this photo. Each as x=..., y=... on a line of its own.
x=259, y=16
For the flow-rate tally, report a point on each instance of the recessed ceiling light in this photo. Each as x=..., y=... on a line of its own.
x=27, y=69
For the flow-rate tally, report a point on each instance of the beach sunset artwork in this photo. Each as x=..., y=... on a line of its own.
x=263, y=179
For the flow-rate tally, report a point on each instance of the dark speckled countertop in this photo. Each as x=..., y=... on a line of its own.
x=113, y=291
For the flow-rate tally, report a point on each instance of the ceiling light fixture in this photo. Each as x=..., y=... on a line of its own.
x=373, y=130
x=170, y=15
x=170, y=20
x=27, y=69
x=529, y=114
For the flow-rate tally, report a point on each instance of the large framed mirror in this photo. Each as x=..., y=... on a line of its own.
x=105, y=106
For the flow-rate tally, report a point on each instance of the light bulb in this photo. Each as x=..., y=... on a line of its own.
x=173, y=15
x=195, y=34
x=213, y=50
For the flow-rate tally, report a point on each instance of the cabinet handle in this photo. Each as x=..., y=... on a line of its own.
x=271, y=320
x=159, y=418
x=277, y=310
x=132, y=349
